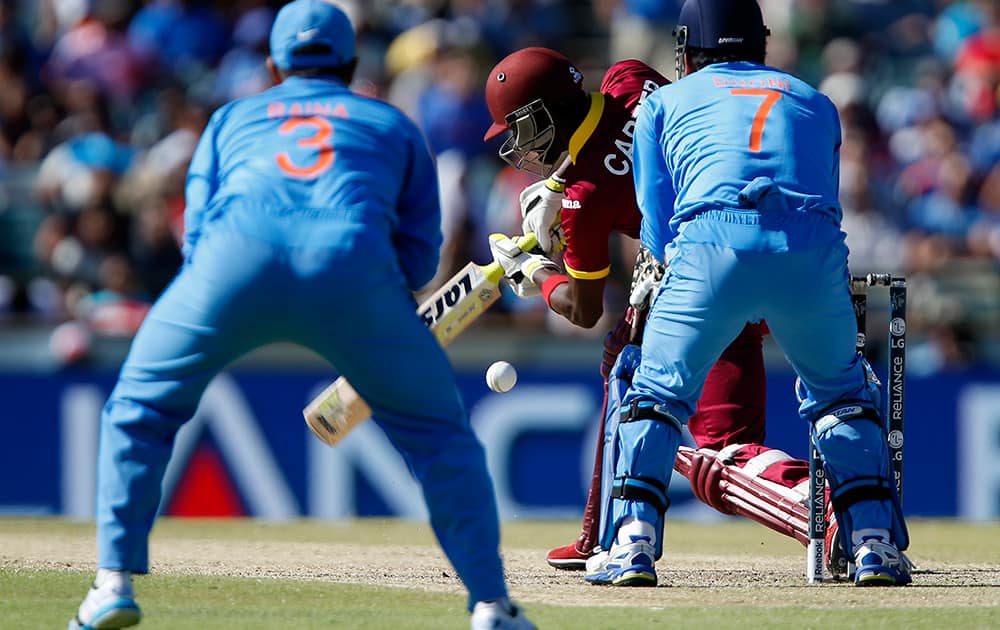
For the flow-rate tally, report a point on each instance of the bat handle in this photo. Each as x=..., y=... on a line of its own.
x=494, y=271
x=527, y=242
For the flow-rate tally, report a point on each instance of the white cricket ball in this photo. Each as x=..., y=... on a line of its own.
x=501, y=377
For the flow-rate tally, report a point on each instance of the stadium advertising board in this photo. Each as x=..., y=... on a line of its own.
x=248, y=451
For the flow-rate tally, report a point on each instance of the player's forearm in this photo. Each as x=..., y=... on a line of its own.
x=566, y=299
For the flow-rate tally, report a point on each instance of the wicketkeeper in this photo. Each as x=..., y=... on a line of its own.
x=736, y=171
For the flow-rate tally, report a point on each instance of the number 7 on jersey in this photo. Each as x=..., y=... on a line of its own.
x=770, y=98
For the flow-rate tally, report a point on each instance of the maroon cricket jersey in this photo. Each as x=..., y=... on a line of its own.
x=600, y=193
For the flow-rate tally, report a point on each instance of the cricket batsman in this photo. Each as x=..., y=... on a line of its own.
x=536, y=94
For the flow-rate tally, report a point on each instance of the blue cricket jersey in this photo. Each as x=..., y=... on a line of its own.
x=280, y=166
x=312, y=216
x=733, y=128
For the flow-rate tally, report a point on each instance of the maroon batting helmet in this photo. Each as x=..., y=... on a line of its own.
x=522, y=93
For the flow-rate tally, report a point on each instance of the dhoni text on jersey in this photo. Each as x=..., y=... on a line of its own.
x=772, y=82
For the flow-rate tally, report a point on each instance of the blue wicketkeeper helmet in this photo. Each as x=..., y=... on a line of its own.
x=719, y=25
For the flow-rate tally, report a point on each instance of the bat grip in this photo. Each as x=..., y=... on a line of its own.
x=526, y=243
x=560, y=174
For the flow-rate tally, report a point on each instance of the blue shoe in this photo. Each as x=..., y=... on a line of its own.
x=109, y=605
x=629, y=564
x=880, y=564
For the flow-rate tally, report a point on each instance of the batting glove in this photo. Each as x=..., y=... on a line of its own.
x=518, y=265
x=541, y=203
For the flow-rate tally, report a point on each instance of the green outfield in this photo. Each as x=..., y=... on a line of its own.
x=388, y=574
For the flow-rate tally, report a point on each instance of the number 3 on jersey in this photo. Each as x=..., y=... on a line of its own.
x=319, y=141
x=770, y=98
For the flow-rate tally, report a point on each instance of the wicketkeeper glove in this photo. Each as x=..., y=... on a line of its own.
x=518, y=265
x=541, y=204
x=646, y=277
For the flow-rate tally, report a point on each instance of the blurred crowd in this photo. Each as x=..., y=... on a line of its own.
x=102, y=103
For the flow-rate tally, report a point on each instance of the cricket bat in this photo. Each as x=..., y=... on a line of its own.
x=448, y=312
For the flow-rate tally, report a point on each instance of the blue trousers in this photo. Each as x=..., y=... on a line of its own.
x=352, y=308
x=727, y=268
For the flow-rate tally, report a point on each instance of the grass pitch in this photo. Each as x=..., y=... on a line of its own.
x=389, y=574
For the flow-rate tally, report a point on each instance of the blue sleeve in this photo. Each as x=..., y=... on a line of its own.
x=202, y=182
x=654, y=190
x=418, y=237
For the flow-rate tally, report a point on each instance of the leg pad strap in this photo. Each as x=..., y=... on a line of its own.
x=647, y=410
x=643, y=489
x=861, y=489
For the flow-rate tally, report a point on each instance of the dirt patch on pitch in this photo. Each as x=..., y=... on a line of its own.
x=686, y=579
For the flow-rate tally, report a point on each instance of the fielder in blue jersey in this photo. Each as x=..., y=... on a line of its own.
x=312, y=216
x=736, y=171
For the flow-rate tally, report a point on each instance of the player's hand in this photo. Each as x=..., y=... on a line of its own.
x=646, y=277
x=616, y=339
x=518, y=265
x=541, y=203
